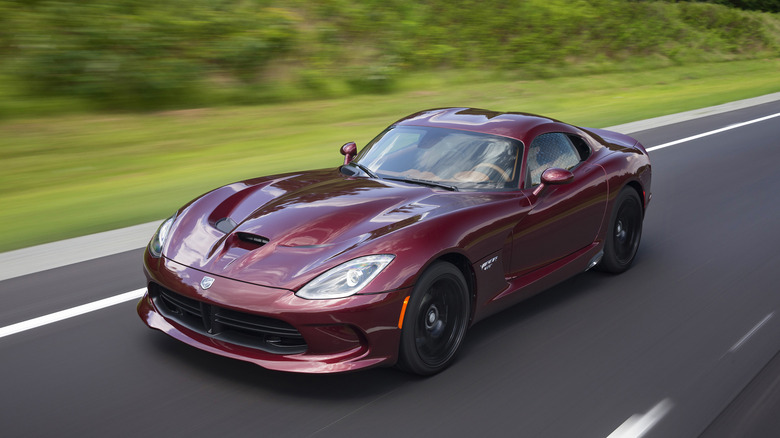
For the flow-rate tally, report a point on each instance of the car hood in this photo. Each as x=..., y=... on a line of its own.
x=290, y=228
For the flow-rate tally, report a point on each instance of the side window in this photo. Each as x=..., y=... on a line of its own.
x=554, y=149
x=582, y=148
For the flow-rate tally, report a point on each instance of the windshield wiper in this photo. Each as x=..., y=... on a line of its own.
x=363, y=168
x=424, y=182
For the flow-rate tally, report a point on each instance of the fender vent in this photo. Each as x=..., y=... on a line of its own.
x=252, y=238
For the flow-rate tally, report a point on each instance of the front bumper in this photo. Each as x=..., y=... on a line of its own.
x=337, y=335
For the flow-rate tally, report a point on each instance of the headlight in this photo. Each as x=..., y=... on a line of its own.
x=345, y=279
x=158, y=240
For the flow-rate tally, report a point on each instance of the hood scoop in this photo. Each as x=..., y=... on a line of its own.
x=253, y=239
x=226, y=225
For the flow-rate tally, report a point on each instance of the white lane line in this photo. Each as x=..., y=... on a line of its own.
x=638, y=425
x=70, y=313
x=713, y=132
x=752, y=332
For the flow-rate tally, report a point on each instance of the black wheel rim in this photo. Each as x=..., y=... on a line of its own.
x=626, y=232
x=440, y=322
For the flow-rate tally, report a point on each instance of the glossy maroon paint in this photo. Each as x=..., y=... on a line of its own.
x=557, y=176
x=509, y=244
x=349, y=150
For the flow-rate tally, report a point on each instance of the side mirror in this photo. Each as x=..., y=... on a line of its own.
x=349, y=150
x=554, y=176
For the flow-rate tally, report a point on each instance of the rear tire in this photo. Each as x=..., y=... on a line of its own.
x=435, y=321
x=624, y=233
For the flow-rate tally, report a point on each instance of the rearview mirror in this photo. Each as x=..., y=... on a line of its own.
x=349, y=150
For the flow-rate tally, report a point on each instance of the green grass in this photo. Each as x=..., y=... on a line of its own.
x=67, y=176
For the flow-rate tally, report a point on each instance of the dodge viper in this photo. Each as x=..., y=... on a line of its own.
x=446, y=217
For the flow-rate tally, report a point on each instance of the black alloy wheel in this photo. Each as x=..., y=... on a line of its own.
x=624, y=233
x=436, y=320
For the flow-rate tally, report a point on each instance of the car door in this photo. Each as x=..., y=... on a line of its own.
x=563, y=218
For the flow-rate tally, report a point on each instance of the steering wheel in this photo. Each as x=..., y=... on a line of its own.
x=503, y=173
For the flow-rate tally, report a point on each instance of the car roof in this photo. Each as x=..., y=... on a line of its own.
x=507, y=124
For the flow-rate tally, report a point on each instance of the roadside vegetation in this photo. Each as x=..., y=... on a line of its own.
x=116, y=113
x=81, y=55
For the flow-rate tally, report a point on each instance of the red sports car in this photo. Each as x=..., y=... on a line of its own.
x=446, y=217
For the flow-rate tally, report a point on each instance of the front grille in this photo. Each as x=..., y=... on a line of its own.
x=245, y=329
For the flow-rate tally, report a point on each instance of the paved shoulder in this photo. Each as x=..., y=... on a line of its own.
x=657, y=122
x=79, y=249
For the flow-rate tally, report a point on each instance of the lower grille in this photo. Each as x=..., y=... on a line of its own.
x=245, y=329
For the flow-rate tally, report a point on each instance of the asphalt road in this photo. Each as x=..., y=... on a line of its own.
x=683, y=344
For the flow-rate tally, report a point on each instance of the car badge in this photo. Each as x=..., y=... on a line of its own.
x=488, y=264
x=206, y=282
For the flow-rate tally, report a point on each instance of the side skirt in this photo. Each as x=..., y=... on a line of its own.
x=525, y=286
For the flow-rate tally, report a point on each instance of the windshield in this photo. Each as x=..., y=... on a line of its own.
x=463, y=159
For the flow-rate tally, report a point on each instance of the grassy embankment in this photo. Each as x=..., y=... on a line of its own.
x=85, y=55
x=66, y=176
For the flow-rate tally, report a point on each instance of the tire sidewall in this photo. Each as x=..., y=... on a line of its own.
x=609, y=261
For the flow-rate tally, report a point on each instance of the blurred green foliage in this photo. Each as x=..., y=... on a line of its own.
x=143, y=54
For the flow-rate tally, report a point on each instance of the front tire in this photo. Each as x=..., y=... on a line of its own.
x=435, y=321
x=624, y=233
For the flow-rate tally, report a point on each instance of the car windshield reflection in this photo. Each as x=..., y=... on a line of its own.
x=464, y=160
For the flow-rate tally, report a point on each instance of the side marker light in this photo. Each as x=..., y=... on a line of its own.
x=403, y=312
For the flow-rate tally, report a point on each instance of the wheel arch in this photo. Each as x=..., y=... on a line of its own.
x=637, y=186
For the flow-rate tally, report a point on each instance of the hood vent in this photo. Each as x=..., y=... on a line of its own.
x=252, y=238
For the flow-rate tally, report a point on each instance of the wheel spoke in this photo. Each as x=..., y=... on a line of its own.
x=437, y=320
